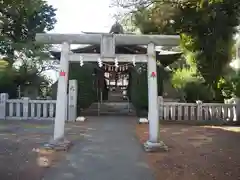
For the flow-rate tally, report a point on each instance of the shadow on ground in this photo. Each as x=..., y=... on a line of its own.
x=196, y=152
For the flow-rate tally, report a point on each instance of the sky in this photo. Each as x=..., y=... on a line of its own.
x=76, y=16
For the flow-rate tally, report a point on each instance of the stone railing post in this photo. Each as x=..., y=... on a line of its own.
x=237, y=115
x=25, y=107
x=3, y=102
x=160, y=105
x=199, y=110
x=72, y=100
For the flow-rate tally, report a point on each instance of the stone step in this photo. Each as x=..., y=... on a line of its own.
x=95, y=113
x=121, y=108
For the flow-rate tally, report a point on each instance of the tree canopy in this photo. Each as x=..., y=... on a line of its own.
x=21, y=20
x=206, y=29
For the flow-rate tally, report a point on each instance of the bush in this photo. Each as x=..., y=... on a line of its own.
x=197, y=90
x=139, y=91
x=85, y=79
x=191, y=86
x=230, y=85
x=7, y=82
x=181, y=77
x=138, y=88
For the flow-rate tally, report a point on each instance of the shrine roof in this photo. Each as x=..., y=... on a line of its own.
x=165, y=59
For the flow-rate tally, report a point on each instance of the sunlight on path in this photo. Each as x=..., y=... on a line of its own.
x=226, y=128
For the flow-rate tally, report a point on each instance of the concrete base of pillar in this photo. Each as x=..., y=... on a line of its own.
x=155, y=147
x=81, y=119
x=58, y=145
x=47, y=154
x=143, y=121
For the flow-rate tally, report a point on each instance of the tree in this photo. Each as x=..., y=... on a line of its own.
x=206, y=29
x=22, y=19
x=230, y=85
x=210, y=44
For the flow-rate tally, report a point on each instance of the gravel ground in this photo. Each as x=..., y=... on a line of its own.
x=17, y=140
x=196, y=152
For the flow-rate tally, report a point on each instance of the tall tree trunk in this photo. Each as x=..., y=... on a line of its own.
x=218, y=97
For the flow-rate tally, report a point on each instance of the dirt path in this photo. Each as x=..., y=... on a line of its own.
x=196, y=153
x=110, y=151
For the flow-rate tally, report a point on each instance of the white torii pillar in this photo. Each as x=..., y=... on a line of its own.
x=153, y=116
x=153, y=143
x=61, y=104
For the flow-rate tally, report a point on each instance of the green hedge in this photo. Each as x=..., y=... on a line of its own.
x=85, y=79
x=88, y=88
x=138, y=87
x=8, y=83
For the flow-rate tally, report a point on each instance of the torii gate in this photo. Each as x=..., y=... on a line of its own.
x=107, y=43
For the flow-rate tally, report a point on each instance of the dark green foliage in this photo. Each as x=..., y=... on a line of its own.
x=105, y=91
x=21, y=21
x=230, y=85
x=89, y=78
x=196, y=90
x=210, y=40
x=100, y=84
x=139, y=91
x=207, y=39
x=206, y=28
x=7, y=83
x=90, y=81
x=129, y=86
x=138, y=87
x=190, y=86
x=11, y=78
x=85, y=78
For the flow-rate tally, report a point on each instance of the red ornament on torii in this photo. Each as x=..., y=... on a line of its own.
x=62, y=73
x=153, y=74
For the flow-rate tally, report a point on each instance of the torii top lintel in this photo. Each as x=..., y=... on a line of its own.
x=120, y=39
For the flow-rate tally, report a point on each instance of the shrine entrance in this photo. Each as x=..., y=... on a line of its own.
x=111, y=88
x=108, y=54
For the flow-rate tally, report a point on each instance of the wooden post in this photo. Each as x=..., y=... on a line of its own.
x=62, y=93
